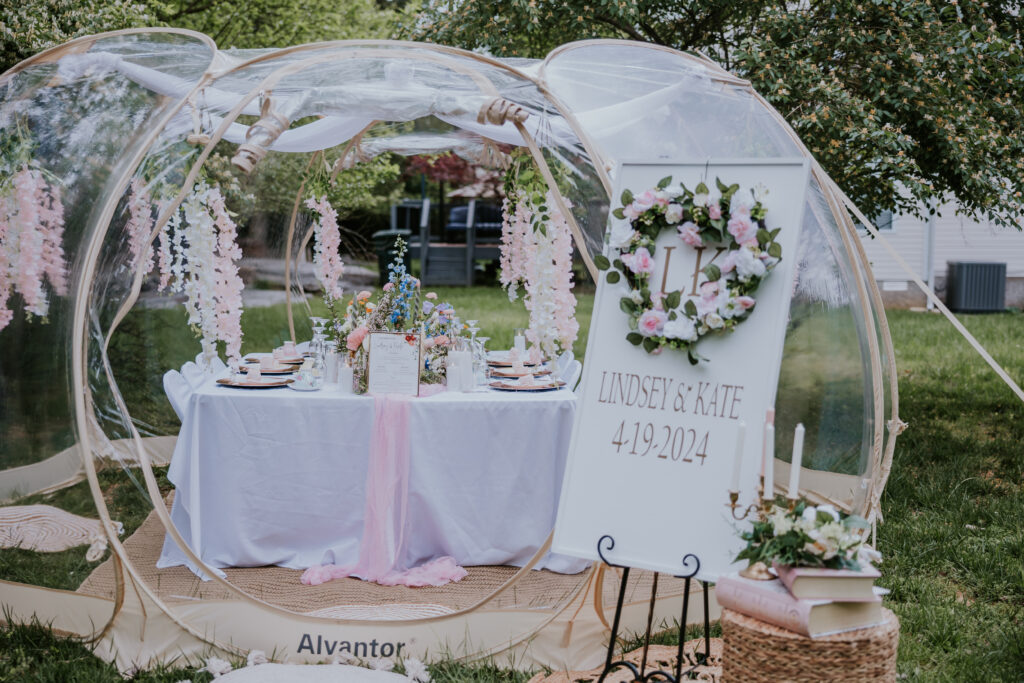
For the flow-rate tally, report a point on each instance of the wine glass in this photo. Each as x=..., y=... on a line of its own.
x=481, y=359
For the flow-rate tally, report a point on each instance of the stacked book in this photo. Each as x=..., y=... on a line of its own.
x=813, y=602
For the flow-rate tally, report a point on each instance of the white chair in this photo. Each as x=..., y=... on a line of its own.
x=572, y=373
x=562, y=362
x=216, y=366
x=193, y=374
x=178, y=391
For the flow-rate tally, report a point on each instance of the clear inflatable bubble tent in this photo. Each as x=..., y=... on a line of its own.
x=102, y=118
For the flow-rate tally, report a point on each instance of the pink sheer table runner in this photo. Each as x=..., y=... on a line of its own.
x=387, y=497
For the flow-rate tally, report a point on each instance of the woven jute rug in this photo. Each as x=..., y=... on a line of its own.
x=661, y=657
x=342, y=598
x=46, y=529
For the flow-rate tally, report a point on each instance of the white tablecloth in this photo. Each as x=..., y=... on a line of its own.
x=276, y=477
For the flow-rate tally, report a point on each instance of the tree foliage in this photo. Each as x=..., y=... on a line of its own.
x=902, y=101
x=279, y=23
x=31, y=26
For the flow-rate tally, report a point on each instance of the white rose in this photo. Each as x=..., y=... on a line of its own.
x=748, y=265
x=622, y=235
x=830, y=509
x=636, y=297
x=701, y=199
x=714, y=321
x=810, y=514
x=760, y=192
x=673, y=214
x=867, y=555
x=681, y=328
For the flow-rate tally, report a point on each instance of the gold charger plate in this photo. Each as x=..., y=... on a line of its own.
x=279, y=370
x=504, y=386
x=254, y=385
x=495, y=372
x=292, y=360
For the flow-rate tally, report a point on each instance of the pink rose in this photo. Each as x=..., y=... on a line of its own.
x=442, y=340
x=355, y=338
x=388, y=286
x=688, y=233
x=362, y=295
x=428, y=343
x=658, y=299
x=632, y=212
x=714, y=211
x=745, y=302
x=742, y=229
x=728, y=264
x=640, y=262
x=430, y=295
x=646, y=200
x=652, y=323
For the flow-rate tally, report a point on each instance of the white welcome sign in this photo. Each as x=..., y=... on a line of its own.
x=654, y=441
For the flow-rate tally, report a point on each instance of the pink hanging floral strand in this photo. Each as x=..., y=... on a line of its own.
x=542, y=263
x=140, y=224
x=327, y=246
x=31, y=237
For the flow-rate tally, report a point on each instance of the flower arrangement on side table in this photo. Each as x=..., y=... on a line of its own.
x=805, y=535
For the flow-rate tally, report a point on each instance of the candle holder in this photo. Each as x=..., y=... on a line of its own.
x=758, y=571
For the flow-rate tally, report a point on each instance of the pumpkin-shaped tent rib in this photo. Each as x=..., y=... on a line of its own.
x=585, y=108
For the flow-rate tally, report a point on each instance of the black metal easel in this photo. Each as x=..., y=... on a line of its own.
x=606, y=543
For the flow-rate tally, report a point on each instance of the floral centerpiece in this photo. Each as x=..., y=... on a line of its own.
x=400, y=307
x=806, y=535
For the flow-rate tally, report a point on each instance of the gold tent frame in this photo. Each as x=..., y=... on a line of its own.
x=878, y=340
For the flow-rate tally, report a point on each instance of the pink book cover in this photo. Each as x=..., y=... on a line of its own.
x=768, y=601
x=788, y=574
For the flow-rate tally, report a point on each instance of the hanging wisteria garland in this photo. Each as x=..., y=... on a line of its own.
x=536, y=253
x=327, y=262
x=660, y=319
x=197, y=256
x=31, y=229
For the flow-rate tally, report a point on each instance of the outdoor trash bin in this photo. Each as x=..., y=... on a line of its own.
x=384, y=246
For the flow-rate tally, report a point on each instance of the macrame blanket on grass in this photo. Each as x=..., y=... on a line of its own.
x=387, y=497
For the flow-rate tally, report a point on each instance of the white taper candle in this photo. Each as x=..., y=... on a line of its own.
x=798, y=457
x=769, y=462
x=741, y=430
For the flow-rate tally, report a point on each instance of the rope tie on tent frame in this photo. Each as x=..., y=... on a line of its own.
x=259, y=137
x=499, y=110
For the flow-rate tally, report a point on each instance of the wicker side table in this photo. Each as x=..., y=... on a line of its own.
x=755, y=651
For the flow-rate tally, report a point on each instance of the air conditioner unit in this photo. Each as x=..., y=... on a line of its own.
x=976, y=287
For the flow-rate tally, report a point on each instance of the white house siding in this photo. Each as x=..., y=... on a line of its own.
x=956, y=239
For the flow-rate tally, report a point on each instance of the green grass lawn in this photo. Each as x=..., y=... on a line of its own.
x=953, y=535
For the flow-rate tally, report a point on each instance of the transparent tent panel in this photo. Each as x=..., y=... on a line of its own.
x=103, y=112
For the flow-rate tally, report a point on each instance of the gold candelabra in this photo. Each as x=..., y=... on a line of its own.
x=755, y=570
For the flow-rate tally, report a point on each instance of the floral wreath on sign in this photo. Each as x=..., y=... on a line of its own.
x=672, y=319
